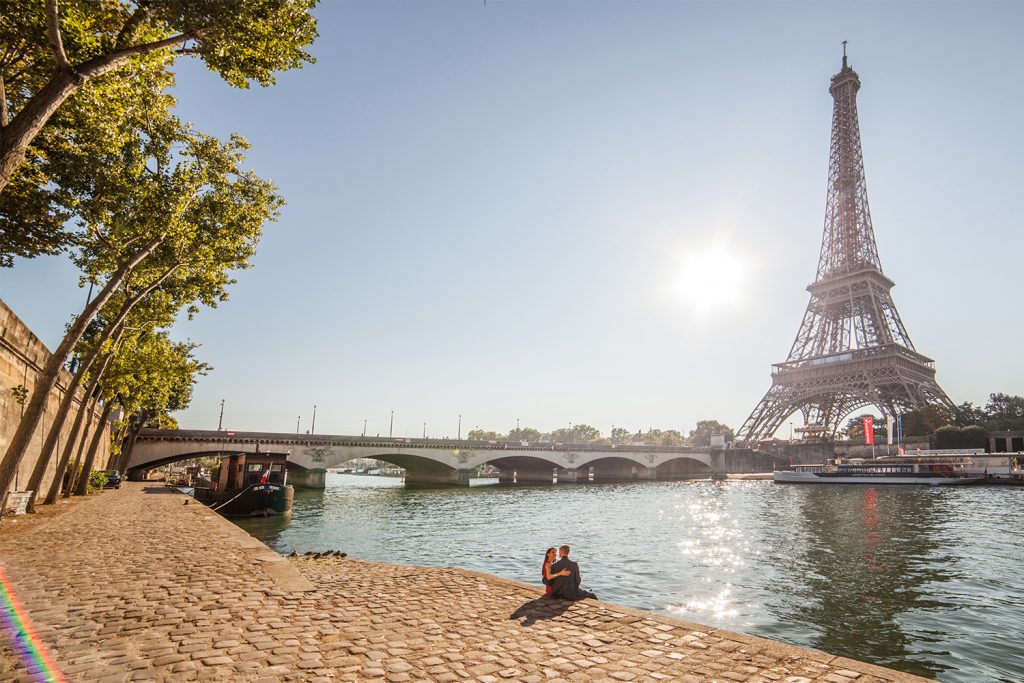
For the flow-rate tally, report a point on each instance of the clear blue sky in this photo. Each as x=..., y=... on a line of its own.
x=505, y=211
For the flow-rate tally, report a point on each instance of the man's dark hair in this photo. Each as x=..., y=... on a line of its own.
x=564, y=549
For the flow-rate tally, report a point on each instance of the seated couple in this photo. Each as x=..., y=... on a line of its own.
x=562, y=577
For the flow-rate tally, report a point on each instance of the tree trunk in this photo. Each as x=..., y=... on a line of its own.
x=89, y=400
x=118, y=438
x=24, y=127
x=46, y=454
x=47, y=379
x=57, y=486
x=126, y=449
x=75, y=474
x=101, y=429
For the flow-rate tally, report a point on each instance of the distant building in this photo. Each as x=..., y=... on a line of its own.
x=1006, y=442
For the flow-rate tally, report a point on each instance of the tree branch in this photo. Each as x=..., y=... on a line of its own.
x=101, y=65
x=53, y=35
x=140, y=16
x=3, y=103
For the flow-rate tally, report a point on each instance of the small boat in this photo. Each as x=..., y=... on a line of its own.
x=250, y=484
x=933, y=470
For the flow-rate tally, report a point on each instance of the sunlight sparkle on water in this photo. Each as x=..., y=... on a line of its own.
x=720, y=606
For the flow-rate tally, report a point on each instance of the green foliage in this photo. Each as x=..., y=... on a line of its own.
x=620, y=435
x=484, y=435
x=97, y=480
x=701, y=436
x=524, y=434
x=580, y=433
x=121, y=54
x=1004, y=412
x=926, y=420
x=965, y=414
x=951, y=436
x=854, y=429
x=20, y=394
x=150, y=375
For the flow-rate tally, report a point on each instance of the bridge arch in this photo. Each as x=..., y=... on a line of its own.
x=524, y=469
x=613, y=468
x=683, y=467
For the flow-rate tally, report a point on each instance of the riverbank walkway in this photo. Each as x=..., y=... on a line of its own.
x=137, y=585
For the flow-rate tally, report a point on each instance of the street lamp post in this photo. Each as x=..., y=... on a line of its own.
x=364, y=426
x=312, y=427
x=220, y=420
x=424, y=430
x=297, y=421
x=391, y=429
x=790, y=431
x=458, y=436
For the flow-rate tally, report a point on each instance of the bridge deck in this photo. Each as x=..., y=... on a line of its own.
x=228, y=437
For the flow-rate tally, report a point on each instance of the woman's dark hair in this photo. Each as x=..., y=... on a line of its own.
x=546, y=553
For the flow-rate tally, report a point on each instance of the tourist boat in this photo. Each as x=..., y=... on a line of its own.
x=250, y=484
x=930, y=469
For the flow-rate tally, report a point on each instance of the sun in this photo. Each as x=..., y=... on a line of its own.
x=711, y=279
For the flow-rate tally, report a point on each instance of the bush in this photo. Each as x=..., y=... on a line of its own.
x=974, y=436
x=950, y=436
x=97, y=480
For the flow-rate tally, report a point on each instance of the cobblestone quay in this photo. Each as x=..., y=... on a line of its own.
x=137, y=585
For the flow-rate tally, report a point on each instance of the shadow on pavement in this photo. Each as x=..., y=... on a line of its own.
x=539, y=608
x=159, y=489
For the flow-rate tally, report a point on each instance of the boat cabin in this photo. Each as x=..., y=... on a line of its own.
x=241, y=470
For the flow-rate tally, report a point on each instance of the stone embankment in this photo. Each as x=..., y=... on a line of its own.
x=136, y=585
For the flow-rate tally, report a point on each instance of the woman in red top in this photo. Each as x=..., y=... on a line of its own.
x=546, y=576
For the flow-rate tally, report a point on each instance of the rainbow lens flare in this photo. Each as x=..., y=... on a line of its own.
x=26, y=641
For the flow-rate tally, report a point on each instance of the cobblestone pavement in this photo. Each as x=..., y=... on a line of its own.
x=135, y=585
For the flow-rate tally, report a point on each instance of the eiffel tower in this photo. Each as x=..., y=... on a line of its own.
x=852, y=349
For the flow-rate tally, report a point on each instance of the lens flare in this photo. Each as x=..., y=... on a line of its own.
x=27, y=643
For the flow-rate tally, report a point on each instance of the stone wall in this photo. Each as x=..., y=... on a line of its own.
x=22, y=357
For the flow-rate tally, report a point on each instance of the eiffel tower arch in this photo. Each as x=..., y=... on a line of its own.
x=852, y=349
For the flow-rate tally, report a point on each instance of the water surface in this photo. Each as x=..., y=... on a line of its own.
x=921, y=579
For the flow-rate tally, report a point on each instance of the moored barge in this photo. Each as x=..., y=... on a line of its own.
x=250, y=484
x=930, y=469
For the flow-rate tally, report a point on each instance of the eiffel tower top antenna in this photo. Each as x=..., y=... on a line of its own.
x=844, y=55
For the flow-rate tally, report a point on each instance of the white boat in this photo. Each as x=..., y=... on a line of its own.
x=933, y=470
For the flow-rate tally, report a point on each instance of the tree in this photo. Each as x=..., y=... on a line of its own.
x=855, y=428
x=150, y=377
x=951, y=436
x=1004, y=412
x=671, y=437
x=484, y=435
x=580, y=433
x=701, y=436
x=620, y=435
x=52, y=52
x=964, y=414
x=524, y=434
x=173, y=212
x=925, y=420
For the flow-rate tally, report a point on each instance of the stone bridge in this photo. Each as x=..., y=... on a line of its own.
x=448, y=462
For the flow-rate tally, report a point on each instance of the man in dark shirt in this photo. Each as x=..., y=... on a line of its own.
x=567, y=587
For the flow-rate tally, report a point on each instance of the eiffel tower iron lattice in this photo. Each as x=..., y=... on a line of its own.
x=852, y=349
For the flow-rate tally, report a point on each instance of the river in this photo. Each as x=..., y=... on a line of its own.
x=921, y=579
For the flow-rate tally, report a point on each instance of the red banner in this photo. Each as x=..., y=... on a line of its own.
x=869, y=431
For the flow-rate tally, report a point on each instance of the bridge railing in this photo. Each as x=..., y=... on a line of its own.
x=228, y=437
